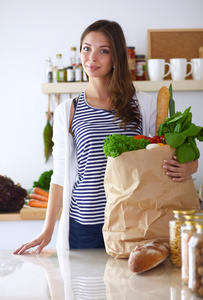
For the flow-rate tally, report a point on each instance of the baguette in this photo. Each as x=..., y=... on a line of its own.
x=163, y=98
x=147, y=256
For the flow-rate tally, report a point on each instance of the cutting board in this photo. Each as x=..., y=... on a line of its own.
x=33, y=213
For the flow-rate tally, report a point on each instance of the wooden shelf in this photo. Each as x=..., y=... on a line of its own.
x=144, y=86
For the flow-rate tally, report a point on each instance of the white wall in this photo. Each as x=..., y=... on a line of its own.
x=31, y=31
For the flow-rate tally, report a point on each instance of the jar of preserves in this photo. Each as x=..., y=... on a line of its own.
x=131, y=62
x=175, y=234
x=140, y=67
x=195, y=282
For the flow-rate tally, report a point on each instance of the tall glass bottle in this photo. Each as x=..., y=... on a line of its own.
x=70, y=72
x=73, y=55
x=55, y=66
x=78, y=70
x=49, y=71
x=58, y=69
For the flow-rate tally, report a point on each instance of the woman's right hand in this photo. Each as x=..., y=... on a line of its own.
x=41, y=241
x=52, y=214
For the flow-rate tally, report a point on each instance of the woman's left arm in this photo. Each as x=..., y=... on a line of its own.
x=179, y=172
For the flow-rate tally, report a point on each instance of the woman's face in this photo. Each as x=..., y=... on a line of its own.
x=96, y=55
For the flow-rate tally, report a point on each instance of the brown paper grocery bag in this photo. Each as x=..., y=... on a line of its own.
x=141, y=199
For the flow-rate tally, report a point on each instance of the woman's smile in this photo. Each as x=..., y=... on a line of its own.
x=92, y=68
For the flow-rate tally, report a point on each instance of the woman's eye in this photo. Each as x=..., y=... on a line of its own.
x=104, y=51
x=85, y=48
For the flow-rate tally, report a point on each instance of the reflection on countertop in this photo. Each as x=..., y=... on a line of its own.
x=85, y=274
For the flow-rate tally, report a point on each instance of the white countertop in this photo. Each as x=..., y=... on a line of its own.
x=85, y=275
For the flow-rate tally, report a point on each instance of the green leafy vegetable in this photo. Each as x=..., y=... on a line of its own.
x=44, y=180
x=116, y=144
x=171, y=102
x=48, y=143
x=180, y=133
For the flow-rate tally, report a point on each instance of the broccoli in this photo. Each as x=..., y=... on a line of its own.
x=116, y=144
x=44, y=180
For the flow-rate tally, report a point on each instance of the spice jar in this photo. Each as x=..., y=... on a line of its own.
x=131, y=62
x=175, y=234
x=195, y=283
x=140, y=67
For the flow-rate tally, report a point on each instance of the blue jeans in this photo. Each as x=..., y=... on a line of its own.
x=85, y=236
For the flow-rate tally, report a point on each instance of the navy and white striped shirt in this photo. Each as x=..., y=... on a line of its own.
x=90, y=126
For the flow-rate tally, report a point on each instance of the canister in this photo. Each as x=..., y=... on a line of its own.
x=175, y=234
x=188, y=228
x=195, y=282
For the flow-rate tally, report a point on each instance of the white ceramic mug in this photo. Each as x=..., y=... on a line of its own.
x=156, y=69
x=179, y=68
x=197, y=73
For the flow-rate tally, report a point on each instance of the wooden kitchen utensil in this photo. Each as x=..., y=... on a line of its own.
x=57, y=98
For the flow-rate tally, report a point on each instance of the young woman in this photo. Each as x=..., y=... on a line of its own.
x=109, y=105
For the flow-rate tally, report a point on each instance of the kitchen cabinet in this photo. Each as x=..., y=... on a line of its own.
x=144, y=86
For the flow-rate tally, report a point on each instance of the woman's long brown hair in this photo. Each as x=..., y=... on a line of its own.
x=121, y=88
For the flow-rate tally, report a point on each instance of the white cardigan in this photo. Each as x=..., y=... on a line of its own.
x=65, y=159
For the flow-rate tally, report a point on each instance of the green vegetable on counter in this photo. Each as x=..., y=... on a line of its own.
x=116, y=144
x=44, y=180
x=180, y=133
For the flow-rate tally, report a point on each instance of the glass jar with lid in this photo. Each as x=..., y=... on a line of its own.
x=131, y=62
x=195, y=282
x=187, y=230
x=175, y=234
x=140, y=67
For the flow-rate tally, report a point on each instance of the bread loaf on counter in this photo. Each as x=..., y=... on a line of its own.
x=147, y=256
